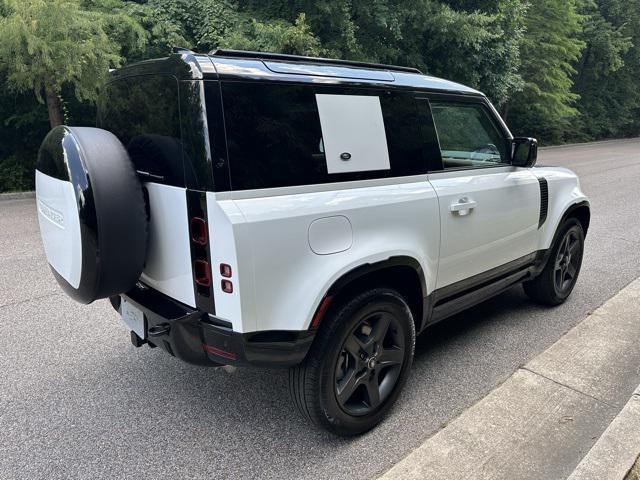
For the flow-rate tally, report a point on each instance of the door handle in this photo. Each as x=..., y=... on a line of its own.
x=463, y=207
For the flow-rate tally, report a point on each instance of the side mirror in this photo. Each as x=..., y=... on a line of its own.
x=524, y=152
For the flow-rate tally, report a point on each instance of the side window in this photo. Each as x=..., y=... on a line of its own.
x=276, y=134
x=143, y=112
x=468, y=137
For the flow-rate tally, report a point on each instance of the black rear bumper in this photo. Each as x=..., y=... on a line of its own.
x=200, y=338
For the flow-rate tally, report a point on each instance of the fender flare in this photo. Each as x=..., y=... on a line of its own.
x=365, y=269
x=566, y=214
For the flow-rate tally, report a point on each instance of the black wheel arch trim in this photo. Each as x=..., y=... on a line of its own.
x=367, y=268
x=570, y=210
x=544, y=255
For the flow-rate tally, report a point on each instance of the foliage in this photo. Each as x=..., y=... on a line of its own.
x=15, y=175
x=608, y=72
x=560, y=70
x=276, y=36
x=549, y=50
x=47, y=43
x=477, y=48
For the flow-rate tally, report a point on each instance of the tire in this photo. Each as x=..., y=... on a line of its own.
x=559, y=276
x=334, y=388
x=91, y=211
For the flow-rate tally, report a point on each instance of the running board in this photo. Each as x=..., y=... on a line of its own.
x=462, y=302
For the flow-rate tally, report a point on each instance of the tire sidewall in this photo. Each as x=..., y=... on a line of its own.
x=348, y=318
x=567, y=227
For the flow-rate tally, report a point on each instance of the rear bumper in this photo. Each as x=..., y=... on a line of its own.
x=200, y=338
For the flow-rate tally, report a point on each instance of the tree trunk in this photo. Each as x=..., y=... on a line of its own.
x=53, y=106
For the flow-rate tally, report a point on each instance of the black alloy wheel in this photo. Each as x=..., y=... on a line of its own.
x=358, y=363
x=369, y=364
x=567, y=262
x=558, y=278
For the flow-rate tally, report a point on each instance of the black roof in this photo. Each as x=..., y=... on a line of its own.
x=312, y=60
x=247, y=65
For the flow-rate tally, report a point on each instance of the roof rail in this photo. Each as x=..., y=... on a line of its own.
x=220, y=52
x=176, y=49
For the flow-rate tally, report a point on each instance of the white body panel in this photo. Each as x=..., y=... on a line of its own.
x=60, y=226
x=287, y=246
x=500, y=225
x=168, y=265
x=230, y=244
x=564, y=191
x=280, y=279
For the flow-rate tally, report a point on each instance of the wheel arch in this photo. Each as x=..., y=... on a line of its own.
x=401, y=273
x=581, y=211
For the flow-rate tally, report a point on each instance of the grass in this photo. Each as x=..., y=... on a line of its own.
x=634, y=473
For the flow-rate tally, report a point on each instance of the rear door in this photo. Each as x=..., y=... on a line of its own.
x=489, y=209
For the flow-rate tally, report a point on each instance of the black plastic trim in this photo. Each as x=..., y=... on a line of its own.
x=573, y=208
x=367, y=268
x=197, y=207
x=543, y=255
x=477, y=295
x=217, y=136
x=544, y=201
x=451, y=299
x=477, y=281
x=200, y=338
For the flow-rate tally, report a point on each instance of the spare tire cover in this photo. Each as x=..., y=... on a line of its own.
x=91, y=211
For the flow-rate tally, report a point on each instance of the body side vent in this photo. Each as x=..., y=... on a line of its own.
x=544, y=200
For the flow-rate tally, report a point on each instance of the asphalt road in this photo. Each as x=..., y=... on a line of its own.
x=77, y=400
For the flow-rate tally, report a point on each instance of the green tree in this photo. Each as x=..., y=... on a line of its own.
x=45, y=44
x=276, y=36
x=477, y=48
x=608, y=72
x=480, y=48
x=550, y=50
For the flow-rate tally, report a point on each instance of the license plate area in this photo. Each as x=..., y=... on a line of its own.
x=133, y=318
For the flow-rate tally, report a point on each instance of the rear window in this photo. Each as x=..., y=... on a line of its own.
x=143, y=112
x=275, y=134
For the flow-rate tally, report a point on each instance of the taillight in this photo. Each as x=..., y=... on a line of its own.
x=199, y=233
x=202, y=273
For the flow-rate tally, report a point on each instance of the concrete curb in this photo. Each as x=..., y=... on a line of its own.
x=616, y=451
x=544, y=419
x=17, y=195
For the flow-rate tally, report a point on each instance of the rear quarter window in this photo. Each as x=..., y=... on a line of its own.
x=275, y=138
x=143, y=112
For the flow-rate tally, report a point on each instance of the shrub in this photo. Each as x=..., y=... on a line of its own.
x=16, y=174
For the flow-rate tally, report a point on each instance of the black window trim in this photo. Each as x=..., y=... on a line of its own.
x=416, y=94
x=438, y=167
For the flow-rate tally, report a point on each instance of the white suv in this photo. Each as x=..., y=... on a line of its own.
x=247, y=208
